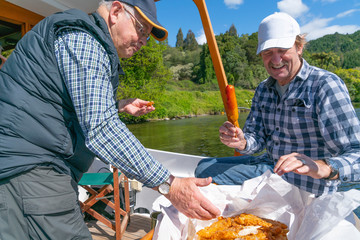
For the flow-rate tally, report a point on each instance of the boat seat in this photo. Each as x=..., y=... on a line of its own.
x=109, y=183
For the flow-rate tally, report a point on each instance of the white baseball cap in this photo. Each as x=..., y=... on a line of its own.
x=279, y=30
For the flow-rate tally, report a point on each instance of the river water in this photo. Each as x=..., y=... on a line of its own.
x=196, y=136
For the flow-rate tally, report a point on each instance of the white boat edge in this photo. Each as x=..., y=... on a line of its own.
x=171, y=160
x=146, y=197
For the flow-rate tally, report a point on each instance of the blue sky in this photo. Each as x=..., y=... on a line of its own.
x=316, y=17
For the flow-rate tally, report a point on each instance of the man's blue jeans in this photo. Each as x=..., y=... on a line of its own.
x=233, y=170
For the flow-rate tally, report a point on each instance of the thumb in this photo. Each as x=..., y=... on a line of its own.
x=203, y=182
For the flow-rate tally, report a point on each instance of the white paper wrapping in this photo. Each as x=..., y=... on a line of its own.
x=268, y=196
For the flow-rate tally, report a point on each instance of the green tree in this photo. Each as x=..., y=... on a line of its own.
x=232, y=30
x=145, y=73
x=173, y=56
x=235, y=53
x=351, y=77
x=352, y=59
x=233, y=58
x=204, y=72
x=179, y=39
x=346, y=46
x=190, y=42
x=336, y=42
x=250, y=46
x=182, y=72
x=329, y=61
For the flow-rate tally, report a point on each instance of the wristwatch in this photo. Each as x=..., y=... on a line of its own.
x=333, y=172
x=164, y=188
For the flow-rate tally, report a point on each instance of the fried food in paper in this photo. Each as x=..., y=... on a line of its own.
x=244, y=227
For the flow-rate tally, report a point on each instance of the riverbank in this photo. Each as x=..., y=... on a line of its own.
x=187, y=104
x=241, y=110
x=181, y=104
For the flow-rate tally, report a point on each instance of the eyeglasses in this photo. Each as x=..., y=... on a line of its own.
x=141, y=27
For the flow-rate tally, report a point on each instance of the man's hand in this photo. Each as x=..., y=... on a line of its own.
x=303, y=165
x=135, y=107
x=232, y=136
x=186, y=197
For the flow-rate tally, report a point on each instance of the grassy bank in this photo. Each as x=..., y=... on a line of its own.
x=182, y=103
x=185, y=98
x=186, y=103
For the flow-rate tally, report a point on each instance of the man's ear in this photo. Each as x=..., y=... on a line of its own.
x=115, y=12
x=299, y=49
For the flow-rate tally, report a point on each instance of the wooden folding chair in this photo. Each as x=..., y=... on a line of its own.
x=110, y=184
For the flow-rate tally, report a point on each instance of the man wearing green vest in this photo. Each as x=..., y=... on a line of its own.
x=58, y=112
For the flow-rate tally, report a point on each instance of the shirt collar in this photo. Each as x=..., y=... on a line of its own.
x=304, y=71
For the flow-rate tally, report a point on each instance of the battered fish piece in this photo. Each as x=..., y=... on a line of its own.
x=244, y=227
x=149, y=104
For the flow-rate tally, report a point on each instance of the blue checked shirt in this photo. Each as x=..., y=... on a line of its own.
x=314, y=117
x=85, y=68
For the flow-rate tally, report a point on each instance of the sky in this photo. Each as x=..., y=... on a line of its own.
x=316, y=17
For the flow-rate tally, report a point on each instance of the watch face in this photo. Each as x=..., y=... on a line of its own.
x=164, y=188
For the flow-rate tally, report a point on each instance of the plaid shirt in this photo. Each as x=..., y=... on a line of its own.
x=314, y=117
x=85, y=68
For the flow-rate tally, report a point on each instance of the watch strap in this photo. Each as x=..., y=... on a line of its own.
x=166, y=184
x=333, y=172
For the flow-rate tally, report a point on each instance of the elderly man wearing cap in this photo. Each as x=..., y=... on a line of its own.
x=301, y=114
x=58, y=112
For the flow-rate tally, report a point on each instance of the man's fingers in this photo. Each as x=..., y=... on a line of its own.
x=303, y=169
x=205, y=211
x=211, y=211
x=203, y=182
x=227, y=128
x=188, y=199
x=291, y=162
x=228, y=124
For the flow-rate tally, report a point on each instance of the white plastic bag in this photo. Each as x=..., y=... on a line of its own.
x=268, y=196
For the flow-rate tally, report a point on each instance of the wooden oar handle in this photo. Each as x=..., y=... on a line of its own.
x=233, y=111
x=215, y=54
x=213, y=48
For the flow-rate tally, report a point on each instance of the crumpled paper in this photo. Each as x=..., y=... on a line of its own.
x=268, y=196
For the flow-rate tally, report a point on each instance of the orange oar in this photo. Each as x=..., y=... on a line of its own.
x=215, y=56
x=233, y=111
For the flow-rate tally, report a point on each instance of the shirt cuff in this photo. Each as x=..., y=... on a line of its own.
x=335, y=164
x=246, y=150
